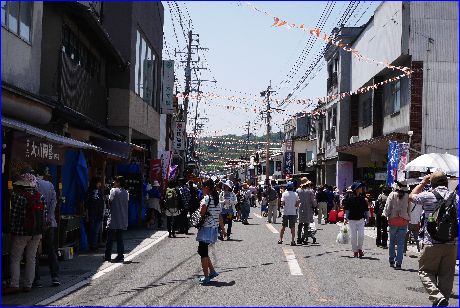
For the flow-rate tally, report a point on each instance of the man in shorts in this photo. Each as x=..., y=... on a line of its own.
x=290, y=201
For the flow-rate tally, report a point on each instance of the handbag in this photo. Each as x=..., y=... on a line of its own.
x=197, y=220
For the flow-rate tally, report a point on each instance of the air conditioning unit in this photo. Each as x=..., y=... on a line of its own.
x=354, y=139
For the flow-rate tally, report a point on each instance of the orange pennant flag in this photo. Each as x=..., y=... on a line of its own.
x=282, y=24
x=276, y=21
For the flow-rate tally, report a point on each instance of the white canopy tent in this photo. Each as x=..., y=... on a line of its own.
x=435, y=162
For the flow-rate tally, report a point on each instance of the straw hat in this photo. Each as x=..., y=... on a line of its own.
x=27, y=180
x=156, y=184
x=304, y=181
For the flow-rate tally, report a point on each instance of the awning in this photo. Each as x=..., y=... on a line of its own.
x=119, y=149
x=29, y=129
x=379, y=144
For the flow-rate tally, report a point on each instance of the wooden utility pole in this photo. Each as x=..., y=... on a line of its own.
x=267, y=149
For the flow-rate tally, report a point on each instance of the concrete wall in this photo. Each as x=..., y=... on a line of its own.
x=21, y=60
x=380, y=40
x=433, y=40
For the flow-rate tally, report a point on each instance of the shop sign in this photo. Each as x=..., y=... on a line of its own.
x=167, y=87
x=179, y=136
x=288, y=163
x=35, y=149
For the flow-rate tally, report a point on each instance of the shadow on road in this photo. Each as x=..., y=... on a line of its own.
x=408, y=270
x=219, y=284
x=365, y=258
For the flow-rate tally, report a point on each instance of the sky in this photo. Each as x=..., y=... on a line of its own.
x=246, y=53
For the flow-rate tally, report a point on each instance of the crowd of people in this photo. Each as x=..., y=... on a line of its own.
x=401, y=214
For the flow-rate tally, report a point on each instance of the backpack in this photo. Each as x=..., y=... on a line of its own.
x=171, y=199
x=34, y=220
x=443, y=224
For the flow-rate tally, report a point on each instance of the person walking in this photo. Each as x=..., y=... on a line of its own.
x=185, y=208
x=356, y=215
x=207, y=234
x=153, y=205
x=397, y=211
x=321, y=199
x=381, y=221
x=171, y=207
x=245, y=198
x=227, y=201
x=118, y=221
x=290, y=201
x=272, y=197
x=307, y=203
x=437, y=259
x=46, y=189
x=27, y=224
x=414, y=225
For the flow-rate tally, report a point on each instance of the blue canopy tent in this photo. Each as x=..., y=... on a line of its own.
x=75, y=185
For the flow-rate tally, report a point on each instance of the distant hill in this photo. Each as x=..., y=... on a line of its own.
x=215, y=151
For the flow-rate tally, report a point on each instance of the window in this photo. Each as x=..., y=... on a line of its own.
x=17, y=18
x=336, y=65
x=309, y=156
x=145, y=69
x=396, y=96
x=367, y=112
x=3, y=13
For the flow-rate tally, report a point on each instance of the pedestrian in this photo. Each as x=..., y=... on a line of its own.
x=253, y=191
x=280, y=190
x=185, y=208
x=46, y=189
x=245, y=201
x=153, y=205
x=118, y=221
x=290, y=201
x=307, y=204
x=356, y=215
x=330, y=199
x=437, y=259
x=207, y=234
x=194, y=201
x=397, y=211
x=171, y=207
x=322, y=199
x=272, y=196
x=413, y=228
x=263, y=205
x=227, y=200
x=381, y=221
x=27, y=224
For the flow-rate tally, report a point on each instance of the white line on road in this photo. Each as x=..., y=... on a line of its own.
x=292, y=262
x=65, y=292
x=257, y=215
x=271, y=228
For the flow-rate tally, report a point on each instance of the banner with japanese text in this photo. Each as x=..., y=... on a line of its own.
x=392, y=168
x=179, y=136
x=288, y=163
x=167, y=87
x=403, y=156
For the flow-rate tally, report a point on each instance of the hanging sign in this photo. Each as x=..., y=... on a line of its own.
x=167, y=87
x=34, y=149
x=288, y=163
x=179, y=136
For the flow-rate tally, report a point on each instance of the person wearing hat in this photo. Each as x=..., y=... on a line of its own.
x=356, y=215
x=437, y=260
x=272, y=198
x=381, y=221
x=153, y=210
x=290, y=201
x=227, y=200
x=25, y=236
x=307, y=203
x=397, y=211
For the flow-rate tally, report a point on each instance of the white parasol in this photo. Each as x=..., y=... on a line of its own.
x=435, y=162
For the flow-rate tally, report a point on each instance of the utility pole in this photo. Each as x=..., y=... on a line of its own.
x=267, y=93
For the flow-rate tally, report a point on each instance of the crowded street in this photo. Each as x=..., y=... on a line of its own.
x=230, y=153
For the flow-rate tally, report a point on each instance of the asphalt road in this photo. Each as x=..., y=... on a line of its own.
x=256, y=271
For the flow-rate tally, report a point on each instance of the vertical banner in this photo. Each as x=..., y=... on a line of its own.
x=288, y=163
x=289, y=145
x=190, y=148
x=302, y=162
x=403, y=156
x=167, y=87
x=344, y=174
x=165, y=158
x=392, y=168
x=155, y=170
x=179, y=136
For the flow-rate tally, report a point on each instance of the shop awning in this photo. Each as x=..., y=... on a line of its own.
x=31, y=130
x=379, y=144
x=118, y=149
